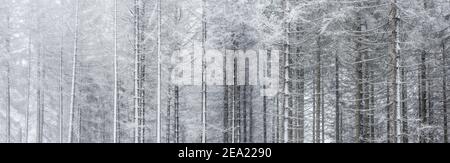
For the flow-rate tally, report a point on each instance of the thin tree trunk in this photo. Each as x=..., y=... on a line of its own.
x=116, y=91
x=8, y=78
x=177, y=114
x=444, y=90
x=323, y=112
x=8, y=101
x=61, y=93
x=338, y=97
x=372, y=106
x=158, y=125
x=204, y=84
x=233, y=108
x=225, y=101
x=27, y=114
x=245, y=102
x=74, y=77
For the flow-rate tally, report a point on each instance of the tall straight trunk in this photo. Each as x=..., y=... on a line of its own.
x=169, y=114
x=74, y=72
x=158, y=117
x=423, y=97
x=136, y=74
x=444, y=91
x=323, y=113
x=61, y=93
x=265, y=116
x=301, y=106
x=226, y=116
x=366, y=124
x=392, y=71
x=318, y=92
x=245, y=103
x=8, y=80
x=266, y=73
x=8, y=103
x=314, y=131
x=430, y=103
x=238, y=114
x=274, y=120
x=337, y=129
x=286, y=81
x=359, y=81
x=43, y=92
x=372, y=106
x=38, y=95
x=139, y=77
x=116, y=91
x=404, y=106
x=248, y=108
x=27, y=114
x=234, y=103
x=204, y=84
x=177, y=114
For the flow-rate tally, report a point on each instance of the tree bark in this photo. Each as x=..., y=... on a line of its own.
x=74, y=72
x=444, y=90
x=392, y=71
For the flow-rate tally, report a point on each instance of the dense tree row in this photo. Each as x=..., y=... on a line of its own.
x=369, y=71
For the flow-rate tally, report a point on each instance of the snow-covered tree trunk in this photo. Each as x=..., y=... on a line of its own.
x=404, y=105
x=286, y=69
x=359, y=78
x=234, y=103
x=27, y=112
x=204, y=66
x=158, y=112
x=8, y=75
x=318, y=93
x=444, y=90
x=74, y=72
x=8, y=100
x=372, y=111
x=337, y=130
x=226, y=116
x=392, y=71
x=116, y=93
x=61, y=90
x=177, y=114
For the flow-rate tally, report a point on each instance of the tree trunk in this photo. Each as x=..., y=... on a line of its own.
x=116, y=90
x=372, y=111
x=338, y=98
x=392, y=69
x=359, y=80
x=233, y=108
x=444, y=90
x=318, y=92
x=8, y=79
x=404, y=106
x=27, y=114
x=423, y=97
x=61, y=93
x=159, y=94
x=204, y=66
x=74, y=72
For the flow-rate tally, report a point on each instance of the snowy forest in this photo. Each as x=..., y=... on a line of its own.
x=224, y=71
